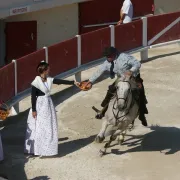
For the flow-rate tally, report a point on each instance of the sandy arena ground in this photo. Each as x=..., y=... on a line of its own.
x=150, y=153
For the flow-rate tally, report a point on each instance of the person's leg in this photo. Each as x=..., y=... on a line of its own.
x=105, y=102
x=109, y=95
x=142, y=109
x=102, y=113
x=142, y=103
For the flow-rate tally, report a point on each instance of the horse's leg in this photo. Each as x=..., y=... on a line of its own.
x=131, y=126
x=121, y=137
x=100, y=137
x=103, y=152
x=124, y=128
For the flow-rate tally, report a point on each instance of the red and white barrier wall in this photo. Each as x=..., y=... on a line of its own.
x=168, y=23
x=129, y=36
x=63, y=56
x=7, y=82
x=93, y=43
x=144, y=33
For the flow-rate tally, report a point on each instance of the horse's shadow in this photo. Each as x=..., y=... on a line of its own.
x=69, y=147
x=162, y=139
x=41, y=178
x=13, y=138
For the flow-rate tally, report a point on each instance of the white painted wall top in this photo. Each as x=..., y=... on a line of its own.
x=13, y=7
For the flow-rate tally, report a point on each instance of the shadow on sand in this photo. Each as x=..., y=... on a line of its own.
x=41, y=178
x=162, y=139
x=13, y=137
x=160, y=56
x=69, y=147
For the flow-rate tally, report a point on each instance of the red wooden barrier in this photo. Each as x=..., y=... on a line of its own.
x=108, y=11
x=7, y=82
x=142, y=7
x=26, y=69
x=128, y=36
x=157, y=23
x=93, y=44
x=63, y=56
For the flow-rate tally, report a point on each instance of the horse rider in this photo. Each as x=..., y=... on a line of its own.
x=121, y=64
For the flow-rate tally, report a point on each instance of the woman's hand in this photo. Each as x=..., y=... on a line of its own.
x=85, y=85
x=34, y=114
x=77, y=83
x=89, y=84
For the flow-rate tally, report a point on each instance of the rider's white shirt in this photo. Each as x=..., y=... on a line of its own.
x=123, y=63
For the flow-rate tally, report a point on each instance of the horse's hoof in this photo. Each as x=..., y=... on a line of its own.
x=107, y=145
x=131, y=127
x=120, y=142
x=99, y=116
x=99, y=139
x=101, y=153
x=113, y=138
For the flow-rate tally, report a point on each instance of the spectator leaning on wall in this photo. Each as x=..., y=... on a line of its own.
x=126, y=12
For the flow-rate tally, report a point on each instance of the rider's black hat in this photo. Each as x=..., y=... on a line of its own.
x=108, y=51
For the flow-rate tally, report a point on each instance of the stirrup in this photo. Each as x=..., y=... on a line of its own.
x=99, y=114
x=96, y=110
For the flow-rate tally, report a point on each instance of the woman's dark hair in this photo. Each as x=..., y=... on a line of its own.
x=42, y=66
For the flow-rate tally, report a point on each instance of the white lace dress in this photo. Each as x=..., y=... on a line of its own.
x=42, y=132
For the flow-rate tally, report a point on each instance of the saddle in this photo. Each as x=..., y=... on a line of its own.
x=136, y=94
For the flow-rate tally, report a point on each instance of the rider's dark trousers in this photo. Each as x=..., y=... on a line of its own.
x=142, y=98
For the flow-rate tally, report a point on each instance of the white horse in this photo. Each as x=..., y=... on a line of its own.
x=123, y=109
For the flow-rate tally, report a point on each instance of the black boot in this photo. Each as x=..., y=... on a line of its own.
x=109, y=95
x=143, y=120
x=142, y=111
x=107, y=98
x=105, y=102
x=102, y=113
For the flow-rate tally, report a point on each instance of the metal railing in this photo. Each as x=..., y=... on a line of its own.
x=14, y=102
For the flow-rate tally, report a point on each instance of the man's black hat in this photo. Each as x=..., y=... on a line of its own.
x=109, y=51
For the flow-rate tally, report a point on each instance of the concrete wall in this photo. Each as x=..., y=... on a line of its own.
x=6, y=5
x=14, y=3
x=166, y=6
x=53, y=25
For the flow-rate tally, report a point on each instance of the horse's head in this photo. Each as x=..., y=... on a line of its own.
x=124, y=87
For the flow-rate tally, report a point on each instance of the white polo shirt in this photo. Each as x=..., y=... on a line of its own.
x=127, y=9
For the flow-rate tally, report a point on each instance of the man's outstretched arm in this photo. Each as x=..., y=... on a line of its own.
x=98, y=73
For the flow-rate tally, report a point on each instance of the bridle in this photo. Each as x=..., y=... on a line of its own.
x=116, y=115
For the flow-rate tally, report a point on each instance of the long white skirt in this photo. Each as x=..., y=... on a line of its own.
x=1, y=150
x=42, y=132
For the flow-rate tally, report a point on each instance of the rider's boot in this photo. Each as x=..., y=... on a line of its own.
x=142, y=111
x=105, y=102
x=143, y=120
x=102, y=113
x=142, y=107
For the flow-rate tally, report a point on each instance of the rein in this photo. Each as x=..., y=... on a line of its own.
x=126, y=101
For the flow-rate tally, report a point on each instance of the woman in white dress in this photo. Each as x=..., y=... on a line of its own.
x=42, y=128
